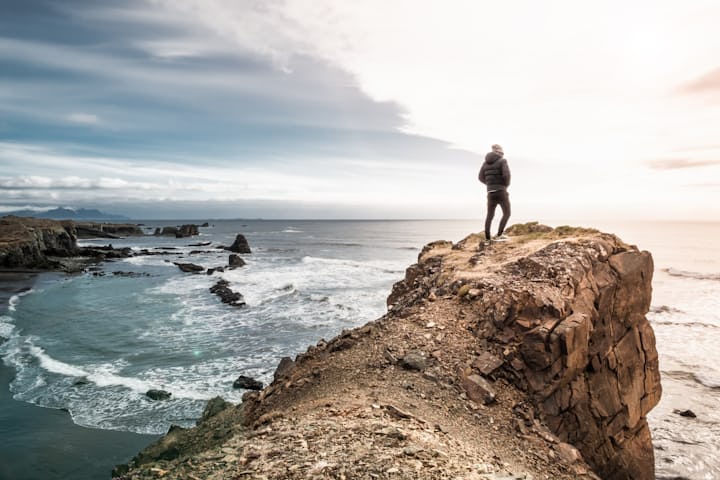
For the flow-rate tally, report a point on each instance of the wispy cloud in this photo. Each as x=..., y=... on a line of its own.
x=707, y=83
x=680, y=163
x=83, y=118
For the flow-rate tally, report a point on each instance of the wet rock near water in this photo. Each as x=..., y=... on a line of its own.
x=182, y=231
x=222, y=290
x=685, y=413
x=105, y=252
x=158, y=394
x=284, y=368
x=247, y=383
x=240, y=245
x=214, y=406
x=235, y=261
x=189, y=267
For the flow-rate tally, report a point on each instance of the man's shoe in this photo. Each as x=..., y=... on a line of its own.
x=501, y=238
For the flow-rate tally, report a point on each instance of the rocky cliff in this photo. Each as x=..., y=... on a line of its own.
x=103, y=230
x=492, y=362
x=29, y=242
x=43, y=244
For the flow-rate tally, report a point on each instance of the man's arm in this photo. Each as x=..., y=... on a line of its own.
x=506, y=173
x=481, y=175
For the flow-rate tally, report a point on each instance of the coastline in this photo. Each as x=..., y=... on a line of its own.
x=45, y=443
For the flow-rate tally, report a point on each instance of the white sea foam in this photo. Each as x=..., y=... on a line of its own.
x=292, y=230
x=148, y=260
x=55, y=366
x=15, y=300
x=6, y=326
x=182, y=285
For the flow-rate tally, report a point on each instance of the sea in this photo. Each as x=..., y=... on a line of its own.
x=90, y=345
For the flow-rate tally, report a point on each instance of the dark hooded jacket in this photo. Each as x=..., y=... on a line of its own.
x=495, y=172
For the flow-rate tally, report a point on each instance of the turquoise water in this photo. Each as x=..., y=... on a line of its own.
x=95, y=343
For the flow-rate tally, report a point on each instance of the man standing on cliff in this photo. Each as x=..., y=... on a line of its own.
x=495, y=173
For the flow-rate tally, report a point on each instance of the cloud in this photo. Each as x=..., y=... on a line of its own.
x=84, y=118
x=707, y=83
x=680, y=163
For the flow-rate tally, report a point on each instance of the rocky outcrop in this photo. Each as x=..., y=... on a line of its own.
x=240, y=245
x=492, y=362
x=248, y=383
x=31, y=242
x=190, y=267
x=104, y=230
x=158, y=394
x=222, y=290
x=565, y=322
x=235, y=261
x=182, y=231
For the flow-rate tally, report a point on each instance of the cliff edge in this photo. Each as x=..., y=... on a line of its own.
x=530, y=358
x=28, y=243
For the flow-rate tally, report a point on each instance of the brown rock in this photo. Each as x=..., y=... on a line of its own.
x=478, y=389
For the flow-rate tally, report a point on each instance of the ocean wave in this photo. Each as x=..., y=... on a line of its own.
x=182, y=285
x=286, y=290
x=709, y=380
x=309, y=260
x=665, y=309
x=15, y=299
x=103, y=376
x=673, y=272
x=6, y=326
x=685, y=324
x=292, y=230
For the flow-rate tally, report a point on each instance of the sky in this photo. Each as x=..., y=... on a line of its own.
x=372, y=109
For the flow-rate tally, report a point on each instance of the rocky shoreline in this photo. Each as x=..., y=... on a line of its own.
x=34, y=244
x=525, y=359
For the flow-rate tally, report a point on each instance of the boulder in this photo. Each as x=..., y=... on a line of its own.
x=189, y=267
x=284, y=367
x=414, y=360
x=478, y=389
x=214, y=406
x=187, y=230
x=158, y=394
x=235, y=261
x=222, y=290
x=240, y=245
x=248, y=383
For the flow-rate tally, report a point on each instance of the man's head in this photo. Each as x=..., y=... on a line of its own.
x=498, y=149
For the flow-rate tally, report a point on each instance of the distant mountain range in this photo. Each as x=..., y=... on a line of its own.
x=68, y=214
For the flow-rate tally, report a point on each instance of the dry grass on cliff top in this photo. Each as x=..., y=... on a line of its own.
x=14, y=230
x=349, y=409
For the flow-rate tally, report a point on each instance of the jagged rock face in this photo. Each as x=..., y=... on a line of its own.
x=568, y=322
x=104, y=230
x=26, y=242
x=240, y=245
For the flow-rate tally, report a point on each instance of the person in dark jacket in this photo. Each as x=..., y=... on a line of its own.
x=495, y=174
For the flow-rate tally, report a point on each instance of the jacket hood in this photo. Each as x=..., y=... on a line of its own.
x=492, y=157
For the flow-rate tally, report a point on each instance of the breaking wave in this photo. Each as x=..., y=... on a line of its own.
x=673, y=272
